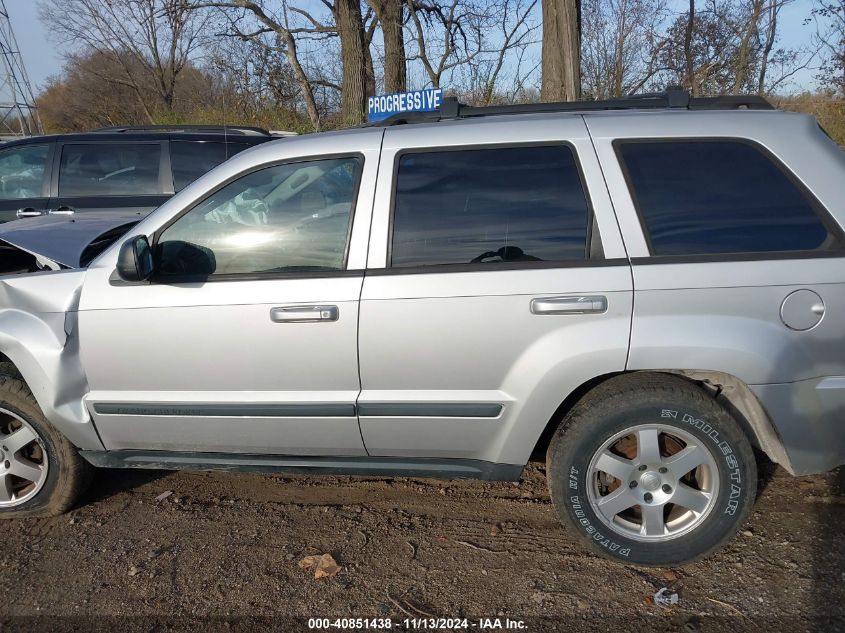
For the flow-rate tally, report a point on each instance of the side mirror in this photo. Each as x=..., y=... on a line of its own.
x=135, y=259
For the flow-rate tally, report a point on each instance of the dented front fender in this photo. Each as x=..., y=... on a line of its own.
x=38, y=333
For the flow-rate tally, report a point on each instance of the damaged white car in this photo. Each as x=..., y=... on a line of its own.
x=645, y=291
x=56, y=242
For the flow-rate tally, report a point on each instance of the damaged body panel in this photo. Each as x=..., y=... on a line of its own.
x=39, y=334
x=56, y=241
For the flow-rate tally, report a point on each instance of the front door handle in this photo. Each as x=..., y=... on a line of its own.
x=62, y=210
x=28, y=212
x=304, y=314
x=591, y=304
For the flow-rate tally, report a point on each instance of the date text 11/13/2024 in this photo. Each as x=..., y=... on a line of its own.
x=407, y=624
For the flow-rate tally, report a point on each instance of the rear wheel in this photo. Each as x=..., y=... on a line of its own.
x=651, y=470
x=41, y=472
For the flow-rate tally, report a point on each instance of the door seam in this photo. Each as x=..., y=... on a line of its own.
x=621, y=236
x=361, y=295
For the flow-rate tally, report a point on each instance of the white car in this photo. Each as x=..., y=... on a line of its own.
x=645, y=288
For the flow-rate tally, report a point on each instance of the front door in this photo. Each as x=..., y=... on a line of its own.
x=246, y=340
x=497, y=284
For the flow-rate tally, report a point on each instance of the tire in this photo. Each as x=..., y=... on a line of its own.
x=684, y=425
x=67, y=474
x=9, y=369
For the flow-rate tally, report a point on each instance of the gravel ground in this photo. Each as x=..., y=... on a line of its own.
x=221, y=552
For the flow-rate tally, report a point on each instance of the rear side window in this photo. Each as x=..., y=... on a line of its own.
x=518, y=204
x=712, y=197
x=110, y=169
x=192, y=159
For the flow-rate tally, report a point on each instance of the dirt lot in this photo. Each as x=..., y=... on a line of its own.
x=221, y=553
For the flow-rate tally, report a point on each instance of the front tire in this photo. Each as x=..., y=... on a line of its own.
x=41, y=472
x=651, y=470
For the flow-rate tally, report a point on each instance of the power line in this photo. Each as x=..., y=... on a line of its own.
x=18, y=114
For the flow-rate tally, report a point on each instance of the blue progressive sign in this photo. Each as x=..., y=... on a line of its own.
x=382, y=106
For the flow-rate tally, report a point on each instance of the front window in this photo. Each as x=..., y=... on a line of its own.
x=22, y=172
x=286, y=218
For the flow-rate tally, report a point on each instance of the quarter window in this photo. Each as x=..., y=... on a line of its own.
x=484, y=206
x=110, y=169
x=700, y=197
x=22, y=172
x=285, y=218
x=192, y=159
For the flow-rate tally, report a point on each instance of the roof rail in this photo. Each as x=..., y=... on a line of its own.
x=673, y=98
x=242, y=130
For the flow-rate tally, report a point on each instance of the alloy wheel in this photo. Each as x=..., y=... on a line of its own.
x=652, y=482
x=23, y=460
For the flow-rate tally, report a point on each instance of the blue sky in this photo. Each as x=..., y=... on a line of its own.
x=42, y=58
x=39, y=55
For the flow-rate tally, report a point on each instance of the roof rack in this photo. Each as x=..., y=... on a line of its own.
x=201, y=129
x=673, y=98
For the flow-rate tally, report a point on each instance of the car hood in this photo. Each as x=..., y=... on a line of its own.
x=62, y=239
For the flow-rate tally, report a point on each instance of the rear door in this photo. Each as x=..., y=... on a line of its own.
x=130, y=177
x=497, y=283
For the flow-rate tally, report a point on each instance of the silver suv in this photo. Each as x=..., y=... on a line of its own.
x=646, y=289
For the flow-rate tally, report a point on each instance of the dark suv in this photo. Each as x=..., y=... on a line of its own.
x=124, y=170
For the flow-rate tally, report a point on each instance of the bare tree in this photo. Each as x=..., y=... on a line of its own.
x=689, y=28
x=148, y=43
x=267, y=23
x=344, y=22
x=749, y=37
x=704, y=54
x=447, y=34
x=770, y=29
x=729, y=46
x=620, y=45
x=250, y=77
x=79, y=99
x=391, y=17
x=830, y=36
x=499, y=72
x=354, y=53
x=515, y=33
x=561, y=80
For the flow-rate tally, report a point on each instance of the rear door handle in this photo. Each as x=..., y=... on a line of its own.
x=590, y=304
x=62, y=210
x=304, y=314
x=28, y=212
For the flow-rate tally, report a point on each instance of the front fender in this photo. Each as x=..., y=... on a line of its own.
x=38, y=333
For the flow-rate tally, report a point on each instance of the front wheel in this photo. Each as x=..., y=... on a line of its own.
x=41, y=472
x=651, y=470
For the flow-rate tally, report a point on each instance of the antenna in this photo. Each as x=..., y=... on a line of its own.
x=219, y=65
x=225, y=129
x=18, y=114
